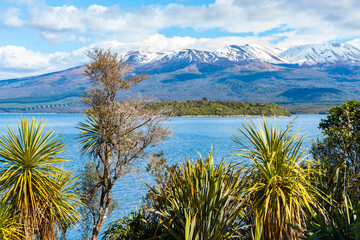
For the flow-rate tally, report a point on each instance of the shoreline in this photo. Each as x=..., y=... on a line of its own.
x=229, y=116
x=171, y=116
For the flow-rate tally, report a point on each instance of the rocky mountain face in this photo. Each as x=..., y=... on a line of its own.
x=300, y=74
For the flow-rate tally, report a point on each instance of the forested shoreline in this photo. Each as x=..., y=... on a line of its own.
x=207, y=107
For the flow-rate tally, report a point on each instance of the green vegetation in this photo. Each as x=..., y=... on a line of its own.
x=339, y=160
x=200, y=200
x=39, y=193
x=140, y=224
x=280, y=185
x=205, y=107
x=281, y=194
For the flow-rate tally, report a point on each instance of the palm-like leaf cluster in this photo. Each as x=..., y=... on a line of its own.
x=89, y=135
x=9, y=227
x=201, y=200
x=279, y=188
x=35, y=188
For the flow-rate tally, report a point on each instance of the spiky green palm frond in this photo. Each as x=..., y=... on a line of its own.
x=10, y=228
x=89, y=135
x=61, y=213
x=31, y=180
x=201, y=200
x=280, y=186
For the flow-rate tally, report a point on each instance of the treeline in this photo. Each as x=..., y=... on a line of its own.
x=206, y=107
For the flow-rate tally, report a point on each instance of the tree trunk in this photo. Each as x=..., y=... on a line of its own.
x=96, y=232
x=105, y=202
x=102, y=214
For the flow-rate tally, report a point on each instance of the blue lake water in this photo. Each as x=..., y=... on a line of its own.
x=190, y=136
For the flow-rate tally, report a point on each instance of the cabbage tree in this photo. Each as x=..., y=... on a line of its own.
x=38, y=192
x=280, y=188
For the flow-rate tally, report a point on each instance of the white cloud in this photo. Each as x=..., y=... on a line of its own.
x=311, y=21
x=56, y=18
x=27, y=2
x=159, y=43
x=19, y=58
x=355, y=42
x=11, y=18
x=298, y=22
x=57, y=38
x=18, y=61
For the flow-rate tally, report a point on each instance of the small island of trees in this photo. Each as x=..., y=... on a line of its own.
x=282, y=192
x=207, y=107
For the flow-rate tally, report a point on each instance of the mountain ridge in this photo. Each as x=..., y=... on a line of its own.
x=310, y=54
x=249, y=73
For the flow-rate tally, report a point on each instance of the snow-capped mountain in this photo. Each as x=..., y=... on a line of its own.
x=304, y=54
x=322, y=53
x=141, y=57
x=232, y=53
x=185, y=55
x=191, y=55
x=250, y=52
x=240, y=73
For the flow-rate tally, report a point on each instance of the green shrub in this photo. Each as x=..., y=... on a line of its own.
x=139, y=225
x=280, y=185
x=201, y=200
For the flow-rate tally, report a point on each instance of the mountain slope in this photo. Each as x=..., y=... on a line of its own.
x=232, y=53
x=251, y=52
x=238, y=73
x=322, y=53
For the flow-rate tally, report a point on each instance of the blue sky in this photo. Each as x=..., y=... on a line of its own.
x=39, y=36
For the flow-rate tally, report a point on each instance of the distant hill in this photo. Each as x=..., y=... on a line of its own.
x=318, y=75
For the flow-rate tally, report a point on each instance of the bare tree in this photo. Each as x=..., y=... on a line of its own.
x=117, y=131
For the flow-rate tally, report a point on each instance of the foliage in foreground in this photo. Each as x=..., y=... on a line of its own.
x=343, y=223
x=139, y=225
x=280, y=187
x=9, y=226
x=338, y=157
x=200, y=200
x=35, y=189
x=143, y=223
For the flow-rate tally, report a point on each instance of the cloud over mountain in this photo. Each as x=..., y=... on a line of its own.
x=288, y=22
x=57, y=29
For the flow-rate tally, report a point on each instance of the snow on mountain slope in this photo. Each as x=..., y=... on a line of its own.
x=185, y=55
x=140, y=57
x=322, y=53
x=191, y=55
x=303, y=54
x=250, y=52
x=229, y=53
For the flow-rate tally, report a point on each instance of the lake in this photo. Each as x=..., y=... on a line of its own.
x=190, y=136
